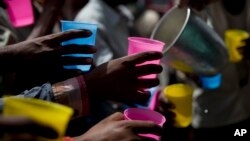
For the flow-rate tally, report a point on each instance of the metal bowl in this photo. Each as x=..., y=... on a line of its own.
x=191, y=45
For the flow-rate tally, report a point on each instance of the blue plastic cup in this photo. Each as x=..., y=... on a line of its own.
x=211, y=82
x=69, y=25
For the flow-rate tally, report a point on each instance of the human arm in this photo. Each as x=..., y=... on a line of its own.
x=120, y=74
x=52, y=9
x=42, y=58
x=118, y=79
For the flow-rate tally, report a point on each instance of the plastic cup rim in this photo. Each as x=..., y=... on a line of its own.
x=151, y=41
x=161, y=122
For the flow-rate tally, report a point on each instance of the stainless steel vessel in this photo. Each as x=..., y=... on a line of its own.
x=191, y=45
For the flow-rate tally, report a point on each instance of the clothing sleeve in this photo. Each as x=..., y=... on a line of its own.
x=71, y=92
x=43, y=92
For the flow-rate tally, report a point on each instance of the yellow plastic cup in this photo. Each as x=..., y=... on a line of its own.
x=233, y=40
x=47, y=113
x=181, y=96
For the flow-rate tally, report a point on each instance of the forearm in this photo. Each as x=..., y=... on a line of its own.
x=72, y=92
x=45, y=23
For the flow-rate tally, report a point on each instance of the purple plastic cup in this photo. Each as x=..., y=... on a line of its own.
x=20, y=12
x=139, y=44
x=145, y=115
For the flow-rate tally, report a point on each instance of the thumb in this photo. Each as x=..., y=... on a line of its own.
x=115, y=117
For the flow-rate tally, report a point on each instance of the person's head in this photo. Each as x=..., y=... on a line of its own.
x=234, y=7
x=196, y=4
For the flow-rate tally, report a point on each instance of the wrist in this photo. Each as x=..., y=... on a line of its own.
x=72, y=92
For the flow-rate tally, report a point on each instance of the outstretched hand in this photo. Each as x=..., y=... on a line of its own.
x=115, y=128
x=118, y=79
x=40, y=60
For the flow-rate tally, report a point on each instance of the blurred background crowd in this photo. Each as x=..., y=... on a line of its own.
x=197, y=47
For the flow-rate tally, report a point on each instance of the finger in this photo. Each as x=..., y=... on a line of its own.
x=240, y=50
x=68, y=60
x=166, y=105
x=70, y=34
x=167, y=110
x=142, y=57
x=144, y=127
x=116, y=116
x=148, y=69
x=79, y=49
x=147, y=83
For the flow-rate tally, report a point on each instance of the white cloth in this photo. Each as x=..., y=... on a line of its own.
x=112, y=33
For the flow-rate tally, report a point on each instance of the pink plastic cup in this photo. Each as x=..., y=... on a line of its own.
x=20, y=12
x=145, y=115
x=138, y=44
